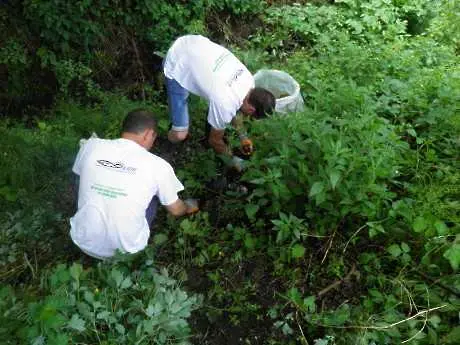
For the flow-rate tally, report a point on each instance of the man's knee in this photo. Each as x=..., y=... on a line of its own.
x=177, y=136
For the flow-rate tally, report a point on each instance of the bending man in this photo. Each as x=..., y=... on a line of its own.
x=197, y=65
x=121, y=184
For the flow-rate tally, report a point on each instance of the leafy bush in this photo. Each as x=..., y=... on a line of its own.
x=22, y=246
x=360, y=20
x=344, y=228
x=111, y=303
x=238, y=8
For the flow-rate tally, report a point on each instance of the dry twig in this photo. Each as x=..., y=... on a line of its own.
x=422, y=312
x=338, y=282
x=329, y=246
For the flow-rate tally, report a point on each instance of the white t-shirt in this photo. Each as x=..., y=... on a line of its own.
x=210, y=71
x=118, y=179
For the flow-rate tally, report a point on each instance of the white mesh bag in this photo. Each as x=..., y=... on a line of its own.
x=285, y=89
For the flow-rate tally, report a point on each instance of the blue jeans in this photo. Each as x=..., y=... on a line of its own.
x=151, y=211
x=178, y=107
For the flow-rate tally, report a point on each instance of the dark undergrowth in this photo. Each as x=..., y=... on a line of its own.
x=343, y=229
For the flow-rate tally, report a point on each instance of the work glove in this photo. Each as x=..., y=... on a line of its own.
x=246, y=145
x=192, y=206
x=236, y=163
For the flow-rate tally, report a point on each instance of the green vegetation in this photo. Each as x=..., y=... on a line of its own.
x=349, y=232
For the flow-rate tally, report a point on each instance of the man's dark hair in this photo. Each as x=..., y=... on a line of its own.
x=138, y=120
x=263, y=101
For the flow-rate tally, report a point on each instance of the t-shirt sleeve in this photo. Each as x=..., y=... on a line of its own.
x=81, y=155
x=219, y=115
x=169, y=186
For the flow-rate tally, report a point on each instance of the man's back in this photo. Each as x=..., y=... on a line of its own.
x=212, y=72
x=118, y=179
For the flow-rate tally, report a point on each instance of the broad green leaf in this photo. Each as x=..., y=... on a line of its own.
x=297, y=251
x=175, y=308
x=376, y=295
x=249, y=242
x=84, y=310
x=334, y=177
x=8, y=193
x=375, y=229
x=394, y=250
x=126, y=283
x=286, y=329
x=309, y=303
x=150, y=310
x=412, y=132
x=294, y=295
x=273, y=313
x=162, y=337
x=76, y=270
x=163, y=125
x=405, y=258
x=316, y=188
x=260, y=180
x=169, y=298
x=434, y=320
x=453, y=255
x=42, y=125
x=76, y=323
x=103, y=315
x=89, y=297
x=452, y=337
x=340, y=316
x=441, y=228
x=40, y=340
x=251, y=210
x=120, y=328
x=419, y=224
x=117, y=276
x=58, y=339
x=405, y=248
x=159, y=239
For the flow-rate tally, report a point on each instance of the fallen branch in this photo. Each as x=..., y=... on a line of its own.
x=26, y=259
x=438, y=283
x=329, y=246
x=301, y=330
x=419, y=331
x=338, y=282
x=422, y=312
x=353, y=236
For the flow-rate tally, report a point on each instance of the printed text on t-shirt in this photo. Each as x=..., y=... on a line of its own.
x=235, y=77
x=117, y=166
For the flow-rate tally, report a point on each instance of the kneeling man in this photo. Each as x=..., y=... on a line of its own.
x=121, y=184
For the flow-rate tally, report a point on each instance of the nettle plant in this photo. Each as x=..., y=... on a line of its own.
x=311, y=165
x=111, y=303
x=360, y=20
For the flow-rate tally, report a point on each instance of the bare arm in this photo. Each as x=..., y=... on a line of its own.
x=216, y=140
x=179, y=208
x=237, y=123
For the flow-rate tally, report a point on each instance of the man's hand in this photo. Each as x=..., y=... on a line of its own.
x=183, y=207
x=192, y=206
x=246, y=146
x=236, y=163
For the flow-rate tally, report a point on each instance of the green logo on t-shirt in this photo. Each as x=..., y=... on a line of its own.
x=108, y=191
x=220, y=60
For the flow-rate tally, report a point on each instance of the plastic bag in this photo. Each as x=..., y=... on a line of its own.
x=285, y=89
